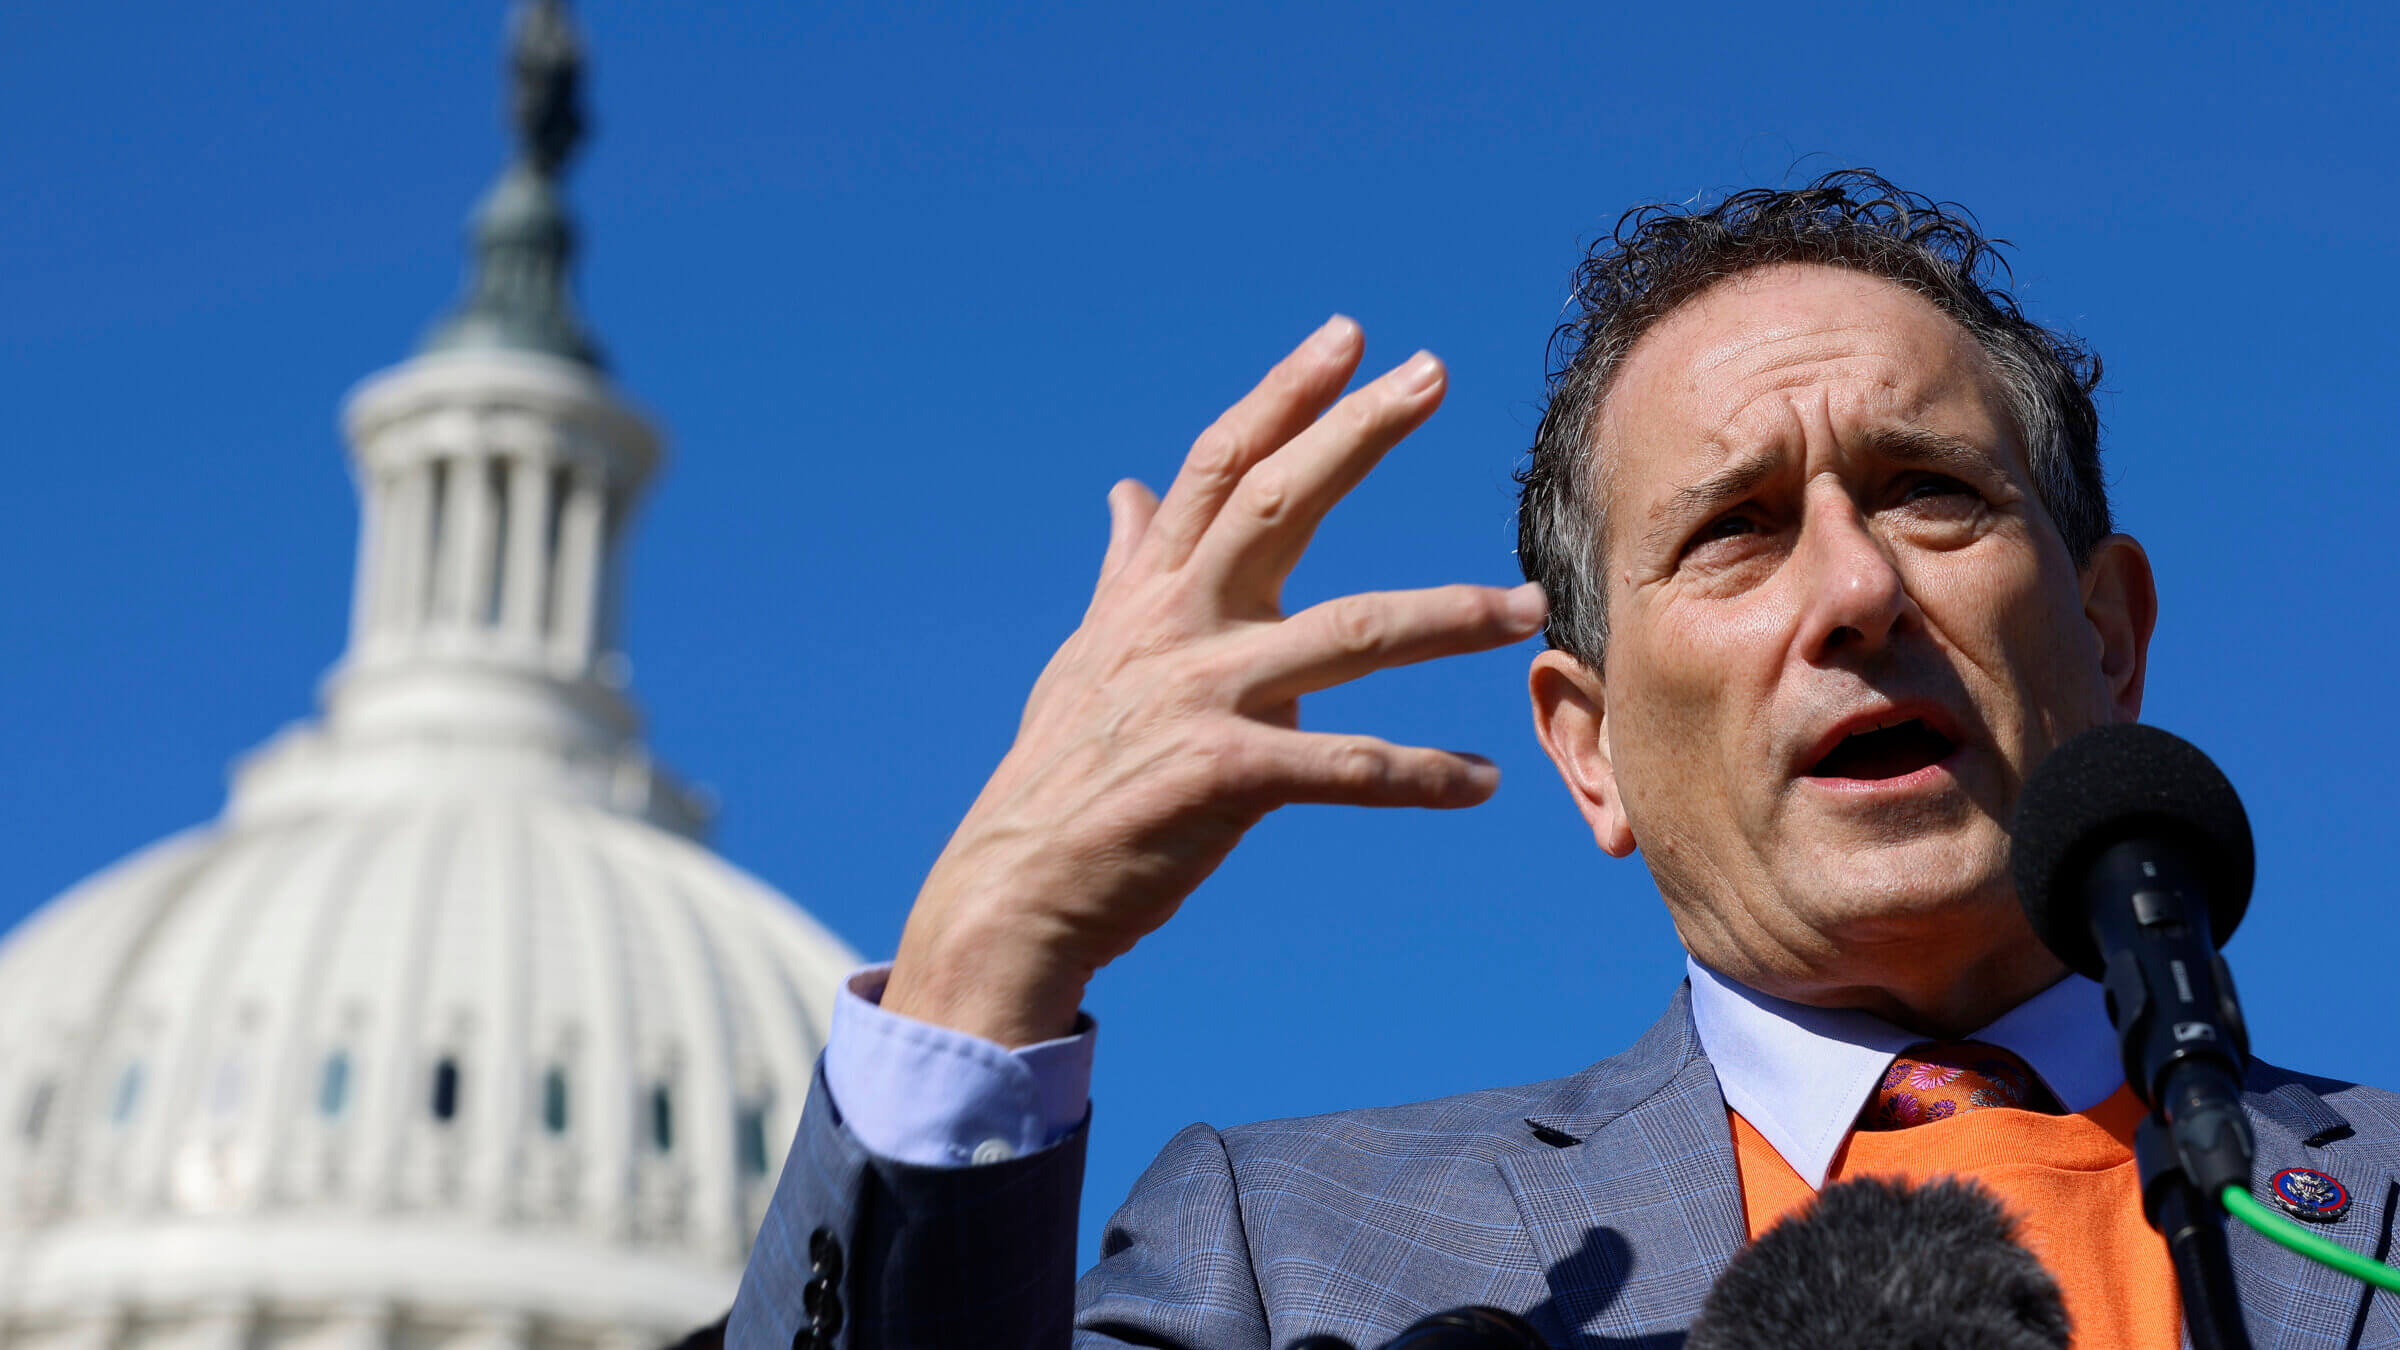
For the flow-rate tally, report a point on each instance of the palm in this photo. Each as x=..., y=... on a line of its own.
x=1168, y=724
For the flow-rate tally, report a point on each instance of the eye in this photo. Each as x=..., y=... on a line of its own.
x=1932, y=486
x=1731, y=525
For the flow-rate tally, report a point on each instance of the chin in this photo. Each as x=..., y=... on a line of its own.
x=1913, y=884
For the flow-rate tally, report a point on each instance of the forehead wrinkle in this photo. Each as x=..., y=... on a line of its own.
x=1799, y=345
x=1801, y=375
x=1802, y=340
x=1880, y=381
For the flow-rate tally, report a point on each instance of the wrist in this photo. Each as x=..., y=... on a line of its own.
x=998, y=982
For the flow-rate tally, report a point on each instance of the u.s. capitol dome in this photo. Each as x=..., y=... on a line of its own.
x=449, y=1032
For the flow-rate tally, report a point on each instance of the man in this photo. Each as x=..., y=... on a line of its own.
x=1816, y=524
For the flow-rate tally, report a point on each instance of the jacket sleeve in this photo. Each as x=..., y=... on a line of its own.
x=862, y=1252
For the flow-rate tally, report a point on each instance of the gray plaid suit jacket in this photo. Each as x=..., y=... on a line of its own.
x=1601, y=1206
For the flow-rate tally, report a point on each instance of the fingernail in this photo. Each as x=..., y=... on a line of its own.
x=1528, y=607
x=1481, y=772
x=1335, y=335
x=1421, y=372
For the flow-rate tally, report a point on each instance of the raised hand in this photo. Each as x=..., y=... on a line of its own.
x=1168, y=723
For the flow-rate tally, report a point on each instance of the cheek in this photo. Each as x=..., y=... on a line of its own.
x=2065, y=690
x=2020, y=624
x=1683, y=730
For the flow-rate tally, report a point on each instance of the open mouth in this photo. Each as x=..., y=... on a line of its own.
x=1895, y=751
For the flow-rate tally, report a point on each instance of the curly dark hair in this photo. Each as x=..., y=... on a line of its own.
x=1662, y=255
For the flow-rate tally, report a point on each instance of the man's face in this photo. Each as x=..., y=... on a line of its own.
x=1842, y=626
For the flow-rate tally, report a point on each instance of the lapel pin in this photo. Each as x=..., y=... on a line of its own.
x=2306, y=1193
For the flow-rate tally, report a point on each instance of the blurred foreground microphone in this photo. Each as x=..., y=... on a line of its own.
x=2133, y=861
x=1877, y=1265
x=1476, y=1328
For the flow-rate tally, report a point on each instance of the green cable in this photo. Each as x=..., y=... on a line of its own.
x=2239, y=1203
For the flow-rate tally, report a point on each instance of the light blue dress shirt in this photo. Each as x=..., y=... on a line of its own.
x=923, y=1094
x=1800, y=1075
x=928, y=1095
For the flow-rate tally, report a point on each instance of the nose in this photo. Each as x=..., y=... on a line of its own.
x=1852, y=597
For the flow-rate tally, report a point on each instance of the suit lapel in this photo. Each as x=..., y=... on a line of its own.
x=2288, y=1300
x=1635, y=1222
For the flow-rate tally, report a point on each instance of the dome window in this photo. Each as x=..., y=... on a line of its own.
x=128, y=1095
x=662, y=1119
x=753, y=1141
x=554, y=1100
x=445, y=1089
x=333, y=1086
x=37, y=1111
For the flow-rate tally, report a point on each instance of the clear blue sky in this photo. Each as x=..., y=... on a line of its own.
x=910, y=288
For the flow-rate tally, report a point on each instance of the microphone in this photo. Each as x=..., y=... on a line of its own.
x=1470, y=1328
x=1874, y=1264
x=2133, y=860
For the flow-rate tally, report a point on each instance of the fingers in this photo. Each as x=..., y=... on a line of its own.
x=1300, y=387
x=1336, y=770
x=1342, y=640
x=1274, y=511
x=1131, y=505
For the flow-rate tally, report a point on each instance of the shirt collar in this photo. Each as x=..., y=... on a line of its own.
x=1799, y=1075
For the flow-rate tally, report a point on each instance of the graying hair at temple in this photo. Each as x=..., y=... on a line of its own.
x=1662, y=255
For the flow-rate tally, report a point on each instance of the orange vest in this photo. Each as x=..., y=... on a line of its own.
x=2068, y=1181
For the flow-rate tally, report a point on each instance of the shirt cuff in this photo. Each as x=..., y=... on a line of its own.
x=917, y=1093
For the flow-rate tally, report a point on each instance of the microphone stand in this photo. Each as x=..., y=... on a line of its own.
x=2195, y=1231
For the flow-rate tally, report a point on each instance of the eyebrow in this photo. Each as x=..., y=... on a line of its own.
x=1915, y=447
x=1731, y=483
x=1919, y=447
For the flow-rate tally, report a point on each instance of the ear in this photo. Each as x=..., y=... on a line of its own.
x=2120, y=599
x=1570, y=715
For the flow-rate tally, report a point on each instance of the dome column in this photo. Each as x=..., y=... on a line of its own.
x=525, y=571
x=469, y=540
x=582, y=551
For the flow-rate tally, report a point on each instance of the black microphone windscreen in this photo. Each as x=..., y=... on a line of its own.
x=1873, y=1264
x=1471, y=1328
x=2114, y=783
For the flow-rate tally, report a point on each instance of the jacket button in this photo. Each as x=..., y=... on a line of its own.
x=829, y=1318
x=828, y=1262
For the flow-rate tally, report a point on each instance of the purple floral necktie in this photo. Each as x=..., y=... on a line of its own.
x=1934, y=1080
